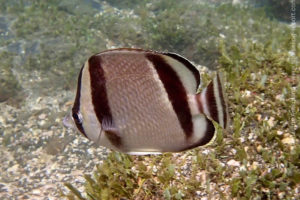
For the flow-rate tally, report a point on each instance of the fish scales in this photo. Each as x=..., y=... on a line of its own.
x=176, y=92
x=145, y=101
x=139, y=101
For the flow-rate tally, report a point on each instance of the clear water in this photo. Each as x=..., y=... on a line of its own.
x=43, y=44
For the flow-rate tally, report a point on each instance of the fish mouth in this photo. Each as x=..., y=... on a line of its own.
x=68, y=121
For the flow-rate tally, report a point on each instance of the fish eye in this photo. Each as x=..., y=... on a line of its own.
x=77, y=117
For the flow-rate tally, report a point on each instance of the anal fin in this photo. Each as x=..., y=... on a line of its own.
x=204, y=132
x=143, y=153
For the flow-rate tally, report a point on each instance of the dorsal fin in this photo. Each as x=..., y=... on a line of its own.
x=187, y=64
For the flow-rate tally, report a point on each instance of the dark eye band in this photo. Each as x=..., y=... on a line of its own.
x=77, y=118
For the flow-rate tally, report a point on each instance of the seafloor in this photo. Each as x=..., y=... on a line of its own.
x=42, y=47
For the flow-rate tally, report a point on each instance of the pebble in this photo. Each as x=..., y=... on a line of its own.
x=251, y=136
x=259, y=148
x=271, y=122
x=280, y=97
x=279, y=132
x=281, y=195
x=233, y=163
x=201, y=177
x=154, y=169
x=243, y=168
x=258, y=117
x=233, y=151
x=206, y=152
x=2, y=120
x=254, y=165
x=42, y=123
x=26, y=168
x=288, y=140
x=42, y=116
x=247, y=93
x=13, y=168
x=90, y=151
x=57, y=120
x=36, y=191
x=48, y=133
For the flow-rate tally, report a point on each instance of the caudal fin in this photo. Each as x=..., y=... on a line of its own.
x=213, y=102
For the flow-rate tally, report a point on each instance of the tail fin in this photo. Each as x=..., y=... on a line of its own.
x=213, y=102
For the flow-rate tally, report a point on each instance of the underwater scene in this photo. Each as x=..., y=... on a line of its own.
x=45, y=48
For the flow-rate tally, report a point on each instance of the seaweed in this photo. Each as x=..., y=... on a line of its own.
x=257, y=158
x=261, y=78
x=10, y=88
x=262, y=143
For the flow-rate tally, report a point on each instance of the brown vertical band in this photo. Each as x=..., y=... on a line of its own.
x=211, y=102
x=188, y=65
x=176, y=92
x=222, y=102
x=209, y=134
x=76, y=106
x=99, y=97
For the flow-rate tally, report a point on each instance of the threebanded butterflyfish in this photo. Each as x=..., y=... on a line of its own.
x=141, y=102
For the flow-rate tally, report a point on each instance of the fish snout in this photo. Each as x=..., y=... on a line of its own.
x=68, y=121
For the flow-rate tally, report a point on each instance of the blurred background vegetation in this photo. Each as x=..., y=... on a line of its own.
x=57, y=36
x=43, y=44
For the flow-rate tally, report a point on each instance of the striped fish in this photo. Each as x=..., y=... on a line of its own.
x=145, y=102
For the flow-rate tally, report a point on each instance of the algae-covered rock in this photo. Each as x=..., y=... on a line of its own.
x=125, y=4
x=79, y=7
x=9, y=86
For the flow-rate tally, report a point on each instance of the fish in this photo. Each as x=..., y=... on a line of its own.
x=142, y=102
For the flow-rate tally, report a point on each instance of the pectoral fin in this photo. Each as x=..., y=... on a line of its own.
x=111, y=132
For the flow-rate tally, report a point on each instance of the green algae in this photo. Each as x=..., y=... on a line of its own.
x=9, y=86
x=260, y=79
x=274, y=177
x=252, y=50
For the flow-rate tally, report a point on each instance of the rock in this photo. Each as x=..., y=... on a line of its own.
x=36, y=191
x=233, y=163
x=42, y=116
x=279, y=132
x=271, y=122
x=9, y=86
x=254, y=165
x=259, y=148
x=80, y=7
x=13, y=169
x=289, y=140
